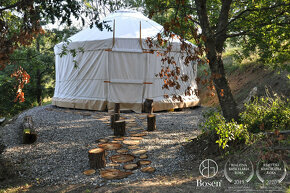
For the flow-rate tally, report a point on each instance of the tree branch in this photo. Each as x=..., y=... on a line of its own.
x=11, y=6
x=249, y=10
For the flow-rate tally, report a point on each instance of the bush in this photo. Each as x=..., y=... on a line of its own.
x=266, y=114
x=227, y=132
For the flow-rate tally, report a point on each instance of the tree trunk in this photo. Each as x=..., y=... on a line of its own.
x=97, y=158
x=214, y=43
x=38, y=78
x=38, y=88
x=225, y=96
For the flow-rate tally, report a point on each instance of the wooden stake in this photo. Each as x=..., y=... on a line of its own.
x=114, y=117
x=29, y=135
x=148, y=106
x=151, y=122
x=119, y=128
x=97, y=158
x=117, y=108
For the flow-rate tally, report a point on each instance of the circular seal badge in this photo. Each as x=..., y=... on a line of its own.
x=271, y=172
x=239, y=170
x=208, y=168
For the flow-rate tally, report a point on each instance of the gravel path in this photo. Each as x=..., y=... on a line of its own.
x=60, y=155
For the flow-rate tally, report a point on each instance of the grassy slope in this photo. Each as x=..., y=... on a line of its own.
x=244, y=76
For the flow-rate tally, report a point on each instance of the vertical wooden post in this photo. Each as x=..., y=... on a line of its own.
x=117, y=108
x=148, y=106
x=97, y=158
x=29, y=135
x=151, y=122
x=119, y=128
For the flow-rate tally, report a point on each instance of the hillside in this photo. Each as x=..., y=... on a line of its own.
x=243, y=80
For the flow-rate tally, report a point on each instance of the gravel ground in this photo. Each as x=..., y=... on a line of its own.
x=60, y=155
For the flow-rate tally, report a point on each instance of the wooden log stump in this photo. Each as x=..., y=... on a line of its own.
x=119, y=128
x=148, y=106
x=117, y=108
x=97, y=158
x=114, y=117
x=151, y=122
x=29, y=135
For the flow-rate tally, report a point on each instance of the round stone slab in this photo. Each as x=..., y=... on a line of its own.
x=122, y=158
x=148, y=170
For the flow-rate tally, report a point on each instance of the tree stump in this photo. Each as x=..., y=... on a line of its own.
x=29, y=135
x=97, y=158
x=29, y=138
x=117, y=108
x=119, y=128
x=114, y=117
x=151, y=122
x=148, y=106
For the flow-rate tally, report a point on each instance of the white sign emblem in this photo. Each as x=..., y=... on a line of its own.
x=208, y=168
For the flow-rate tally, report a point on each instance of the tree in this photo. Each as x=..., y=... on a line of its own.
x=220, y=20
x=21, y=20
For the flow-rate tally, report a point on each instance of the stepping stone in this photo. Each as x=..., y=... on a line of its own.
x=143, y=162
x=89, y=172
x=122, y=158
x=130, y=166
x=133, y=147
x=111, y=174
x=113, y=165
x=148, y=170
x=115, y=142
x=139, y=152
x=132, y=132
x=102, y=140
x=138, y=134
x=118, y=138
x=110, y=146
x=122, y=150
x=143, y=156
x=136, y=138
x=131, y=142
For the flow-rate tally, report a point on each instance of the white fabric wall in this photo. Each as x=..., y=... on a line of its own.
x=86, y=81
x=126, y=67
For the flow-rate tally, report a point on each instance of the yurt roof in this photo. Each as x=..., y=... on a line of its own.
x=127, y=25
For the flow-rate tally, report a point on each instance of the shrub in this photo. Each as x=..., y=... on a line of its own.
x=266, y=114
x=227, y=132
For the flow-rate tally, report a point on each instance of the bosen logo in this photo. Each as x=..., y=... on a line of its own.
x=208, y=168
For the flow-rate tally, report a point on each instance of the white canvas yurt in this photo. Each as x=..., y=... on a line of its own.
x=114, y=66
